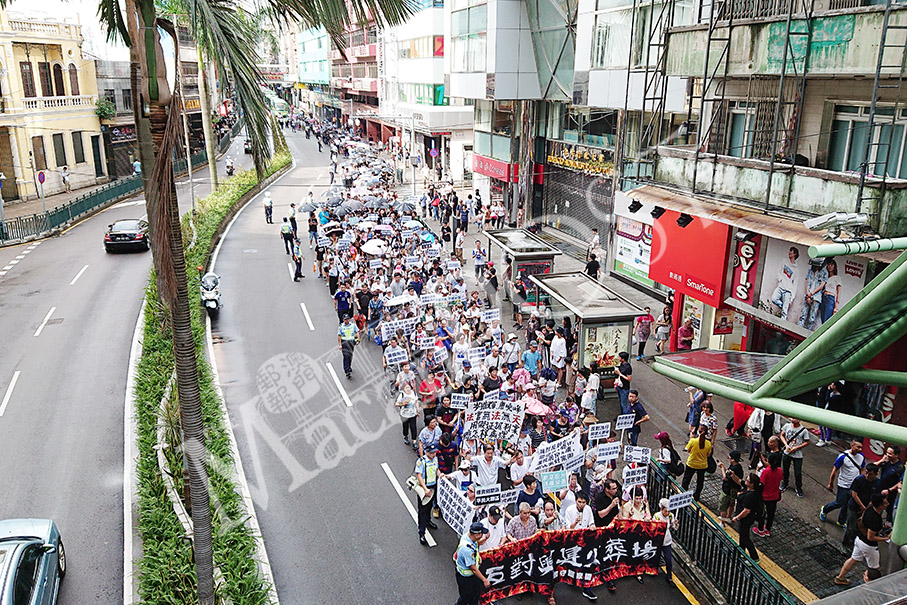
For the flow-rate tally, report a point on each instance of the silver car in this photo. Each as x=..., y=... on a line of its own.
x=32, y=562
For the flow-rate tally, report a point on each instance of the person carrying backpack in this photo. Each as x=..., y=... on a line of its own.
x=667, y=455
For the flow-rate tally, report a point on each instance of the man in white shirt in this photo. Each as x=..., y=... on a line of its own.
x=579, y=516
x=497, y=530
x=519, y=468
x=558, y=352
x=487, y=466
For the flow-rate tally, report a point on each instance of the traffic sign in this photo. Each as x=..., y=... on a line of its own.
x=433, y=152
x=41, y=176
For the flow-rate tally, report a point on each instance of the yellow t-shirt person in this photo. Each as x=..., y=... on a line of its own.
x=699, y=457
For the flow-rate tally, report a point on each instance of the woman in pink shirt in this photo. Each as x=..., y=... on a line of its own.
x=771, y=493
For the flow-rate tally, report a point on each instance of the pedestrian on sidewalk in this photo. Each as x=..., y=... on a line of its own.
x=642, y=328
x=771, y=494
x=748, y=511
x=64, y=174
x=479, y=254
x=699, y=449
x=665, y=516
x=795, y=438
x=730, y=485
x=594, y=244
x=861, y=490
x=458, y=244
x=846, y=468
x=592, y=267
x=640, y=416
x=866, y=545
x=663, y=330
x=624, y=373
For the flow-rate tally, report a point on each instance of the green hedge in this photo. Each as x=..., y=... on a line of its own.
x=166, y=570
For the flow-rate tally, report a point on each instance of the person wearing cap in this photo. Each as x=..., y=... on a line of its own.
x=268, y=204
x=286, y=233
x=510, y=352
x=532, y=359
x=298, y=258
x=624, y=373
x=462, y=477
x=670, y=519
x=427, y=476
x=470, y=580
x=464, y=372
x=347, y=339
x=497, y=529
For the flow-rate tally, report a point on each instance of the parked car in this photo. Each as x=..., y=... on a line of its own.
x=127, y=233
x=32, y=562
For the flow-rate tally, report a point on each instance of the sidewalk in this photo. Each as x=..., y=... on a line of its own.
x=16, y=208
x=803, y=554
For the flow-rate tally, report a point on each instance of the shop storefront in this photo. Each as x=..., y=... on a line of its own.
x=501, y=176
x=577, y=193
x=631, y=243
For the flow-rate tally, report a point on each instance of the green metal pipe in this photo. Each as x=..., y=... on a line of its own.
x=886, y=377
x=862, y=247
x=890, y=335
x=845, y=322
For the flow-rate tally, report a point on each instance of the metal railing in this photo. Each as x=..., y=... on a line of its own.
x=714, y=553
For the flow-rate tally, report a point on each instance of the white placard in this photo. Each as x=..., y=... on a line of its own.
x=599, y=431
x=493, y=419
x=557, y=452
x=509, y=497
x=323, y=241
x=387, y=220
x=432, y=253
x=428, y=299
x=427, y=245
x=343, y=244
x=459, y=401
x=393, y=357
x=453, y=264
x=607, y=451
x=490, y=315
x=375, y=263
x=406, y=233
x=680, y=500
x=413, y=261
x=427, y=342
x=440, y=354
x=476, y=355
x=636, y=476
x=456, y=508
x=489, y=494
x=372, y=217
x=495, y=394
x=575, y=464
x=625, y=421
x=640, y=455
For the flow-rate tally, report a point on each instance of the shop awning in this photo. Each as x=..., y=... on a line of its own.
x=737, y=216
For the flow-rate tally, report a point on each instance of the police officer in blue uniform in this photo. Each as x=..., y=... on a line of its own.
x=347, y=338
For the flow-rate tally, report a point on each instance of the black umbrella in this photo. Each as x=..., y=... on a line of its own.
x=374, y=204
x=308, y=207
x=352, y=205
x=335, y=201
x=406, y=208
x=341, y=211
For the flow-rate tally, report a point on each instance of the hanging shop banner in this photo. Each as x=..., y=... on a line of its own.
x=491, y=419
x=807, y=292
x=690, y=259
x=583, y=557
x=601, y=344
x=588, y=160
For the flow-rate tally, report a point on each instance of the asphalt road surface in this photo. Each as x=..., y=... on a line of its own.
x=67, y=314
x=324, y=455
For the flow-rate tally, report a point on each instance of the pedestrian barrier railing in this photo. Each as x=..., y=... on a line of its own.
x=713, y=551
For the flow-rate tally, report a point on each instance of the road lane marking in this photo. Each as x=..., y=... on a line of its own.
x=15, y=261
x=78, y=275
x=346, y=398
x=292, y=270
x=44, y=323
x=308, y=319
x=26, y=251
x=9, y=392
x=406, y=502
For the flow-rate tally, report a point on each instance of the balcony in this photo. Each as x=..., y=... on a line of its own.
x=41, y=103
x=335, y=55
x=44, y=30
x=757, y=45
x=812, y=190
x=364, y=51
x=365, y=84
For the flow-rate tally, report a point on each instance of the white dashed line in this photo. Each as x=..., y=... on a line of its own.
x=44, y=323
x=308, y=319
x=15, y=261
x=409, y=505
x=346, y=398
x=292, y=270
x=9, y=392
x=78, y=275
x=7, y=267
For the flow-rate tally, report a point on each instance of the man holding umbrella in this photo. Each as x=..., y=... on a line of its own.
x=347, y=338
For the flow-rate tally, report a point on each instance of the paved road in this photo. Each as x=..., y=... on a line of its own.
x=335, y=528
x=61, y=432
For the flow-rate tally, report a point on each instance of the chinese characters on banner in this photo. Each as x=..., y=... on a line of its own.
x=459, y=401
x=625, y=421
x=553, y=481
x=492, y=419
x=636, y=476
x=489, y=494
x=394, y=357
x=633, y=453
x=456, y=509
x=607, y=451
x=555, y=453
x=680, y=500
x=599, y=431
x=585, y=557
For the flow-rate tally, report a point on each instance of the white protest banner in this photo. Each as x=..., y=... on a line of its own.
x=426, y=245
x=633, y=453
x=624, y=421
x=372, y=217
x=388, y=329
x=453, y=264
x=413, y=261
x=456, y=509
x=636, y=476
x=492, y=419
x=557, y=452
x=409, y=324
x=607, y=451
x=428, y=299
x=427, y=342
x=599, y=431
x=323, y=241
x=575, y=464
x=432, y=253
x=406, y=233
x=375, y=263
x=459, y=401
x=343, y=244
x=680, y=500
x=440, y=354
x=476, y=355
x=394, y=357
x=489, y=494
x=490, y=315
x=387, y=220
x=495, y=394
x=553, y=481
x=509, y=497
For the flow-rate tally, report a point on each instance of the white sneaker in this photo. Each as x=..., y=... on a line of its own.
x=820, y=443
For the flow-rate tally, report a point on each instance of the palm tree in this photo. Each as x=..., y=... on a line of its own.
x=215, y=24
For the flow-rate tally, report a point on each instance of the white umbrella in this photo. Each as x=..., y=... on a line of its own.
x=413, y=225
x=366, y=225
x=376, y=247
x=401, y=300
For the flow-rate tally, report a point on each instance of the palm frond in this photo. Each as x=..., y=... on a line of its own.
x=337, y=15
x=111, y=18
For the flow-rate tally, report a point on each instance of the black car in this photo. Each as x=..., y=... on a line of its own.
x=127, y=233
x=247, y=146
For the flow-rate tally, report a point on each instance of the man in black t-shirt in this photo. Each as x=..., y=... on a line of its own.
x=730, y=485
x=866, y=545
x=593, y=267
x=607, y=506
x=861, y=490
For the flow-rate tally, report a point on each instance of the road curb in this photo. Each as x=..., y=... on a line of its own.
x=264, y=563
x=131, y=538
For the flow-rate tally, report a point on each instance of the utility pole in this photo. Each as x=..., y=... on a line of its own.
x=179, y=79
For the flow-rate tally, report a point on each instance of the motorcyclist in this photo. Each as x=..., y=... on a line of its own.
x=229, y=165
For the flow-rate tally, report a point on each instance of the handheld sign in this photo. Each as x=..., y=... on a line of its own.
x=509, y=497
x=495, y=394
x=607, y=451
x=453, y=264
x=476, y=355
x=489, y=494
x=490, y=315
x=413, y=261
x=372, y=218
x=440, y=354
x=553, y=481
x=323, y=241
x=636, y=476
x=680, y=500
x=427, y=342
x=459, y=401
x=387, y=220
x=574, y=464
x=599, y=431
x=432, y=252
x=394, y=357
x=625, y=421
x=640, y=455
x=406, y=233
x=375, y=263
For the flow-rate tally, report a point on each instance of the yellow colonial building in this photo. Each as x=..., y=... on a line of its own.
x=48, y=119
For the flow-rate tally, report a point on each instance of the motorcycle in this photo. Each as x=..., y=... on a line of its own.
x=210, y=292
x=229, y=167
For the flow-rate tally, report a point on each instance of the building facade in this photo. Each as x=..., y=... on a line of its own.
x=313, y=70
x=48, y=116
x=119, y=130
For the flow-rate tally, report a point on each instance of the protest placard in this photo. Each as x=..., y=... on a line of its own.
x=394, y=357
x=387, y=220
x=432, y=253
x=440, y=354
x=495, y=394
x=492, y=419
x=388, y=329
x=373, y=218
x=624, y=421
x=426, y=245
x=426, y=342
x=375, y=263
x=490, y=315
x=323, y=241
x=633, y=453
x=406, y=233
x=680, y=500
x=554, y=453
x=489, y=494
x=553, y=481
x=453, y=264
x=509, y=497
x=599, y=431
x=413, y=261
x=476, y=355
x=456, y=508
x=459, y=401
x=607, y=451
x=636, y=476
x=428, y=299
x=575, y=464
x=343, y=244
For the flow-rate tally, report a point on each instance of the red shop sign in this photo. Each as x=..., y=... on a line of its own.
x=692, y=260
x=495, y=168
x=746, y=266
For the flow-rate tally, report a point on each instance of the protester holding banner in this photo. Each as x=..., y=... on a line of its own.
x=670, y=520
x=409, y=410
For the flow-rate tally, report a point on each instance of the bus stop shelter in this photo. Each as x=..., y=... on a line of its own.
x=604, y=320
x=531, y=255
